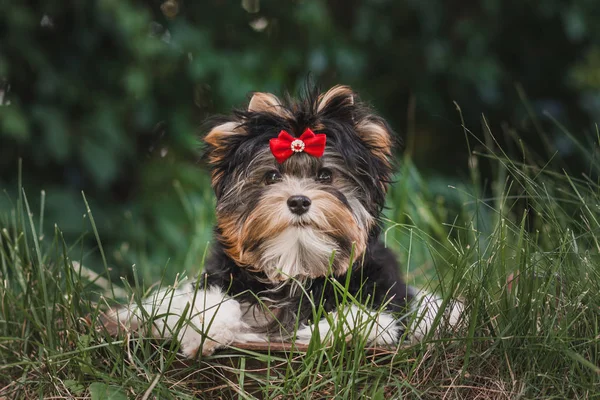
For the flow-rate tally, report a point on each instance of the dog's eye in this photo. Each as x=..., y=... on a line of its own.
x=324, y=175
x=272, y=177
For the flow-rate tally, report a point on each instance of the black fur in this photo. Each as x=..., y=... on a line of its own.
x=377, y=281
x=375, y=274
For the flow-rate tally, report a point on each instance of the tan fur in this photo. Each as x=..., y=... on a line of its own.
x=377, y=137
x=217, y=134
x=271, y=218
x=267, y=102
x=339, y=219
x=216, y=138
x=336, y=91
x=265, y=221
x=230, y=233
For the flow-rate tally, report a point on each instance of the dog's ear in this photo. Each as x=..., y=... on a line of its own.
x=263, y=102
x=220, y=141
x=341, y=103
x=377, y=137
x=219, y=138
x=268, y=103
x=337, y=97
x=220, y=134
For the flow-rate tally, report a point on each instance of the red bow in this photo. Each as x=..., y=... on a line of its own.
x=285, y=145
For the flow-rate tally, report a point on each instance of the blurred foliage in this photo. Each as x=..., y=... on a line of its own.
x=108, y=96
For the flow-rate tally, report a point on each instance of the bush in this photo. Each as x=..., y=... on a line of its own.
x=108, y=97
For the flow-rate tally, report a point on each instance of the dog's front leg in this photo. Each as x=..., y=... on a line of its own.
x=382, y=328
x=201, y=320
x=377, y=328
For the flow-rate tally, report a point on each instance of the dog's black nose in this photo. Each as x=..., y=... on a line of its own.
x=298, y=204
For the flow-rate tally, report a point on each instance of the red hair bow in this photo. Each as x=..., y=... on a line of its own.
x=285, y=145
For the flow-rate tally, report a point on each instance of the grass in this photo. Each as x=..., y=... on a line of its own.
x=523, y=254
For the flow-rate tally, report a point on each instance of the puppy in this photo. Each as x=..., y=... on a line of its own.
x=300, y=186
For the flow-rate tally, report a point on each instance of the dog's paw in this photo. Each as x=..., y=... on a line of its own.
x=218, y=325
x=192, y=341
x=377, y=328
x=218, y=337
x=201, y=320
x=427, y=306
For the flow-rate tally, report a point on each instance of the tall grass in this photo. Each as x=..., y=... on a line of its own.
x=523, y=254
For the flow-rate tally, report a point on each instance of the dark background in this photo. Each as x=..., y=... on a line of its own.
x=108, y=96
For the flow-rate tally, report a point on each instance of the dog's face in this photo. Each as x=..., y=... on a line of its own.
x=287, y=216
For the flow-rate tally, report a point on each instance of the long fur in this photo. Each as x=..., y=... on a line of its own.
x=269, y=264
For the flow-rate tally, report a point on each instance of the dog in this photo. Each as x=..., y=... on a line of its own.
x=300, y=186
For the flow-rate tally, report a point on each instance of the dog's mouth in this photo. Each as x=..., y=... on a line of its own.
x=303, y=222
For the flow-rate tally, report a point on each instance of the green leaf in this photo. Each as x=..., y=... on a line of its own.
x=56, y=137
x=74, y=386
x=14, y=123
x=99, y=161
x=379, y=394
x=102, y=391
